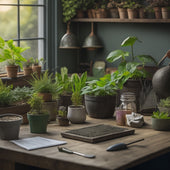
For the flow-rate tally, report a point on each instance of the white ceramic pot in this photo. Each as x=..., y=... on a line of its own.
x=76, y=114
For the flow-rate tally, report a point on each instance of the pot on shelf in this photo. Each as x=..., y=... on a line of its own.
x=12, y=71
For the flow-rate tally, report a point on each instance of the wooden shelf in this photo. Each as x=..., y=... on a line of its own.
x=118, y=20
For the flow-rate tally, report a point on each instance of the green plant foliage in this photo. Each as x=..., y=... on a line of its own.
x=107, y=85
x=62, y=111
x=78, y=83
x=64, y=81
x=6, y=97
x=11, y=53
x=160, y=115
x=36, y=61
x=22, y=93
x=165, y=102
x=128, y=60
x=35, y=103
x=45, y=84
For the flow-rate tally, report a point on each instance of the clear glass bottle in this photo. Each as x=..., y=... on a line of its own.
x=127, y=106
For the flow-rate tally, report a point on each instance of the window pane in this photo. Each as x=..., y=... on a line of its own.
x=8, y=20
x=39, y=2
x=8, y=1
x=31, y=19
x=36, y=48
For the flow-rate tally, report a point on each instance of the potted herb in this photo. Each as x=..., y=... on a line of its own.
x=37, y=65
x=12, y=54
x=122, y=8
x=164, y=105
x=76, y=111
x=62, y=116
x=44, y=85
x=37, y=117
x=27, y=67
x=100, y=95
x=63, y=80
x=161, y=121
x=112, y=7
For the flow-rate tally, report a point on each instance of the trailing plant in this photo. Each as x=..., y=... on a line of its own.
x=11, y=53
x=6, y=96
x=107, y=85
x=160, y=115
x=164, y=102
x=132, y=65
x=78, y=83
x=36, y=103
x=63, y=80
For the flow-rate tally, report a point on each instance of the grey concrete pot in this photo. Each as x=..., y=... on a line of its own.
x=9, y=129
x=76, y=114
x=161, y=124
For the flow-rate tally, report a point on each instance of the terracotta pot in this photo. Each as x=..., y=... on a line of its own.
x=122, y=13
x=80, y=14
x=158, y=14
x=132, y=13
x=141, y=13
x=165, y=13
x=93, y=13
x=47, y=97
x=12, y=71
x=114, y=13
x=36, y=70
x=89, y=13
x=27, y=71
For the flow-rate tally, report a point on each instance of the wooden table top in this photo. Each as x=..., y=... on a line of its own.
x=156, y=143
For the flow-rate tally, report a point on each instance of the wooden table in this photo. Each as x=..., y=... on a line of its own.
x=156, y=143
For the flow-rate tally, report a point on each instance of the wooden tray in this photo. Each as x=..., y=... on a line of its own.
x=97, y=133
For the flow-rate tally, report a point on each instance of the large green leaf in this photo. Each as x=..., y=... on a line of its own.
x=129, y=41
x=116, y=55
x=146, y=59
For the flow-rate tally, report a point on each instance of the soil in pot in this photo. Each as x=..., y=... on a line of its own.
x=100, y=106
x=10, y=126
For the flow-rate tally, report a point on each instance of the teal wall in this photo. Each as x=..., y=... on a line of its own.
x=155, y=39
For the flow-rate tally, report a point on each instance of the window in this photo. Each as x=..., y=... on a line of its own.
x=24, y=22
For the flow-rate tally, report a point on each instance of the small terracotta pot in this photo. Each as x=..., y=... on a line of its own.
x=27, y=71
x=36, y=70
x=12, y=71
x=122, y=13
x=114, y=13
x=158, y=14
x=141, y=13
x=132, y=13
x=165, y=13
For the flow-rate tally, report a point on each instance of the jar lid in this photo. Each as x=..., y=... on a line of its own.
x=128, y=96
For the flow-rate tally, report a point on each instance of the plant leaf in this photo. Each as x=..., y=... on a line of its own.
x=129, y=41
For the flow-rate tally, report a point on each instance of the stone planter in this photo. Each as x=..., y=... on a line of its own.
x=10, y=126
x=100, y=106
x=161, y=124
x=76, y=114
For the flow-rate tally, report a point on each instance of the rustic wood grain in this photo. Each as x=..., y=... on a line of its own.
x=156, y=143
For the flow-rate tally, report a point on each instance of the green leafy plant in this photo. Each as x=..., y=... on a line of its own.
x=11, y=53
x=78, y=83
x=36, y=61
x=36, y=103
x=160, y=115
x=62, y=111
x=164, y=102
x=27, y=63
x=107, y=85
x=132, y=65
x=63, y=80
x=6, y=96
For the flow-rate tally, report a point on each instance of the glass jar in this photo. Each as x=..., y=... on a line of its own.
x=127, y=106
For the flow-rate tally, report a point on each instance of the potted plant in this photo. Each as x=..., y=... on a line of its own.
x=44, y=85
x=27, y=67
x=161, y=121
x=62, y=116
x=10, y=126
x=36, y=65
x=100, y=95
x=63, y=80
x=122, y=8
x=112, y=7
x=12, y=54
x=76, y=111
x=37, y=117
x=133, y=68
x=164, y=105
